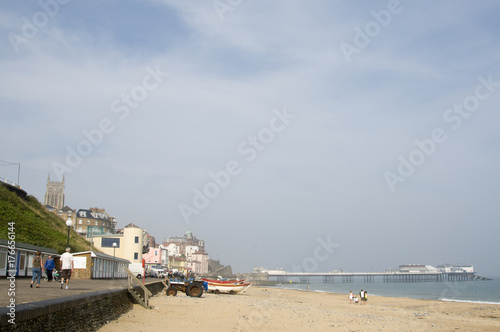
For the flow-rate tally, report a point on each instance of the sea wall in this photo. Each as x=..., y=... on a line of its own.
x=78, y=313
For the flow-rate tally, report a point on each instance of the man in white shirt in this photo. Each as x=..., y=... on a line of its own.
x=66, y=267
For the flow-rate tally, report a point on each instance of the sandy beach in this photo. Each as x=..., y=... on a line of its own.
x=270, y=309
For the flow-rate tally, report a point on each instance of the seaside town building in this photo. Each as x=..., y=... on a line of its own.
x=198, y=262
x=182, y=242
x=187, y=252
x=65, y=213
x=127, y=245
x=177, y=263
x=153, y=256
x=147, y=240
x=94, y=221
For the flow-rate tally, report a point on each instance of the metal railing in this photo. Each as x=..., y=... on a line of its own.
x=12, y=183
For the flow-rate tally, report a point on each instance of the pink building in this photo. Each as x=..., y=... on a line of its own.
x=153, y=257
x=198, y=262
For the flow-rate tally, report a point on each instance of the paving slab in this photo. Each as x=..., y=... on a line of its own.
x=22, y=293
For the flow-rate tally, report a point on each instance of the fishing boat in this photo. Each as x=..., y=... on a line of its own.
x=224, y=281
x=231, y=288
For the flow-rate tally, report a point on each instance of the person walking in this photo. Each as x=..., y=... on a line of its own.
x=351, y=297
x=49, y=267
x=36, y=269
x=66, y=267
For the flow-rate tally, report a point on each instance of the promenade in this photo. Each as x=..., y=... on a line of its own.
x=52, y=290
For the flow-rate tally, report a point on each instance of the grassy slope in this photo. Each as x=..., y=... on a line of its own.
x=35, y=225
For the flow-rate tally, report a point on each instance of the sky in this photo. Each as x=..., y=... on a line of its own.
x=305, y=135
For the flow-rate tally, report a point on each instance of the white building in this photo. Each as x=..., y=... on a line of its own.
x=456, y=268
x=190, y=250
x=417, y=268
x=173, y=250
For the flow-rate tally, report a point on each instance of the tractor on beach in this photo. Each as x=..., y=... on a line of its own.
x=178, y=283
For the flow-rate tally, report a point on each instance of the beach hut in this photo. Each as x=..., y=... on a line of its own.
x=16, y=258
x=96, y=265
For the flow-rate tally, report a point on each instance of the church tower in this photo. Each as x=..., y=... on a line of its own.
x=55, y=194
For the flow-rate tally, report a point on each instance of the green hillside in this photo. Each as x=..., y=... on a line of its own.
x=35, y=225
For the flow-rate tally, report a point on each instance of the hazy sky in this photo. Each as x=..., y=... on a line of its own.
x=308, y=135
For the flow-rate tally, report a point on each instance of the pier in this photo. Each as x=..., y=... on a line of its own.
x=370, y=277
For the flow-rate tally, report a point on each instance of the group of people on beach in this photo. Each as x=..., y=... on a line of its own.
x=49, y=266
x=363, y=297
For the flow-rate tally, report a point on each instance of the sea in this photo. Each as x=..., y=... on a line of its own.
x=477, y=291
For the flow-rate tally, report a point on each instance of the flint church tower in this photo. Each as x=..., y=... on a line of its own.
x=55, y=194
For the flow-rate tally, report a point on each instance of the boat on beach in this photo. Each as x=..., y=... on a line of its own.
x=224, y=281
x=227, y=288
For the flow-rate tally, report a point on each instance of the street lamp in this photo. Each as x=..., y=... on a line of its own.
x=69, y=223
x=114, y=262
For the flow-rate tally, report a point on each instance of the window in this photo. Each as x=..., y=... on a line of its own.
x=3, y=259
x=136, y=255
x=88, y=222
x=96, y=223
x=80, y=221
x=107, y=242
x=21, y=261
x=136, y=239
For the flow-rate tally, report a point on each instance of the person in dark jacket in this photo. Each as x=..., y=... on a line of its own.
x=49, y=267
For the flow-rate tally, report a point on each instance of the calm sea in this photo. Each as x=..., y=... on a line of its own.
x=480, y=291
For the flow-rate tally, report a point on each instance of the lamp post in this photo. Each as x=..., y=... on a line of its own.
x=114, y=262
x=69, y=223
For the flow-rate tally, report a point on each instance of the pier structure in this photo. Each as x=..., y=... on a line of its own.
x=370, y=277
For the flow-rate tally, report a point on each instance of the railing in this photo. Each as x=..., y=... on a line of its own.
x=12, y=183
x=130, y=284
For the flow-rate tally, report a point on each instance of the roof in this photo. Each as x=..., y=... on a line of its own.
x=101, y=255
x=31, y=247
x=131, y=225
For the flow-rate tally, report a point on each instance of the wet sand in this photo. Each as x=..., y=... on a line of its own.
x=270, y=309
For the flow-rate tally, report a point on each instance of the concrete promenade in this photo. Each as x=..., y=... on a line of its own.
x=52, y=290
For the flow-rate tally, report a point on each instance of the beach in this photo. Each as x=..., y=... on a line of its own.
x=272, y=309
